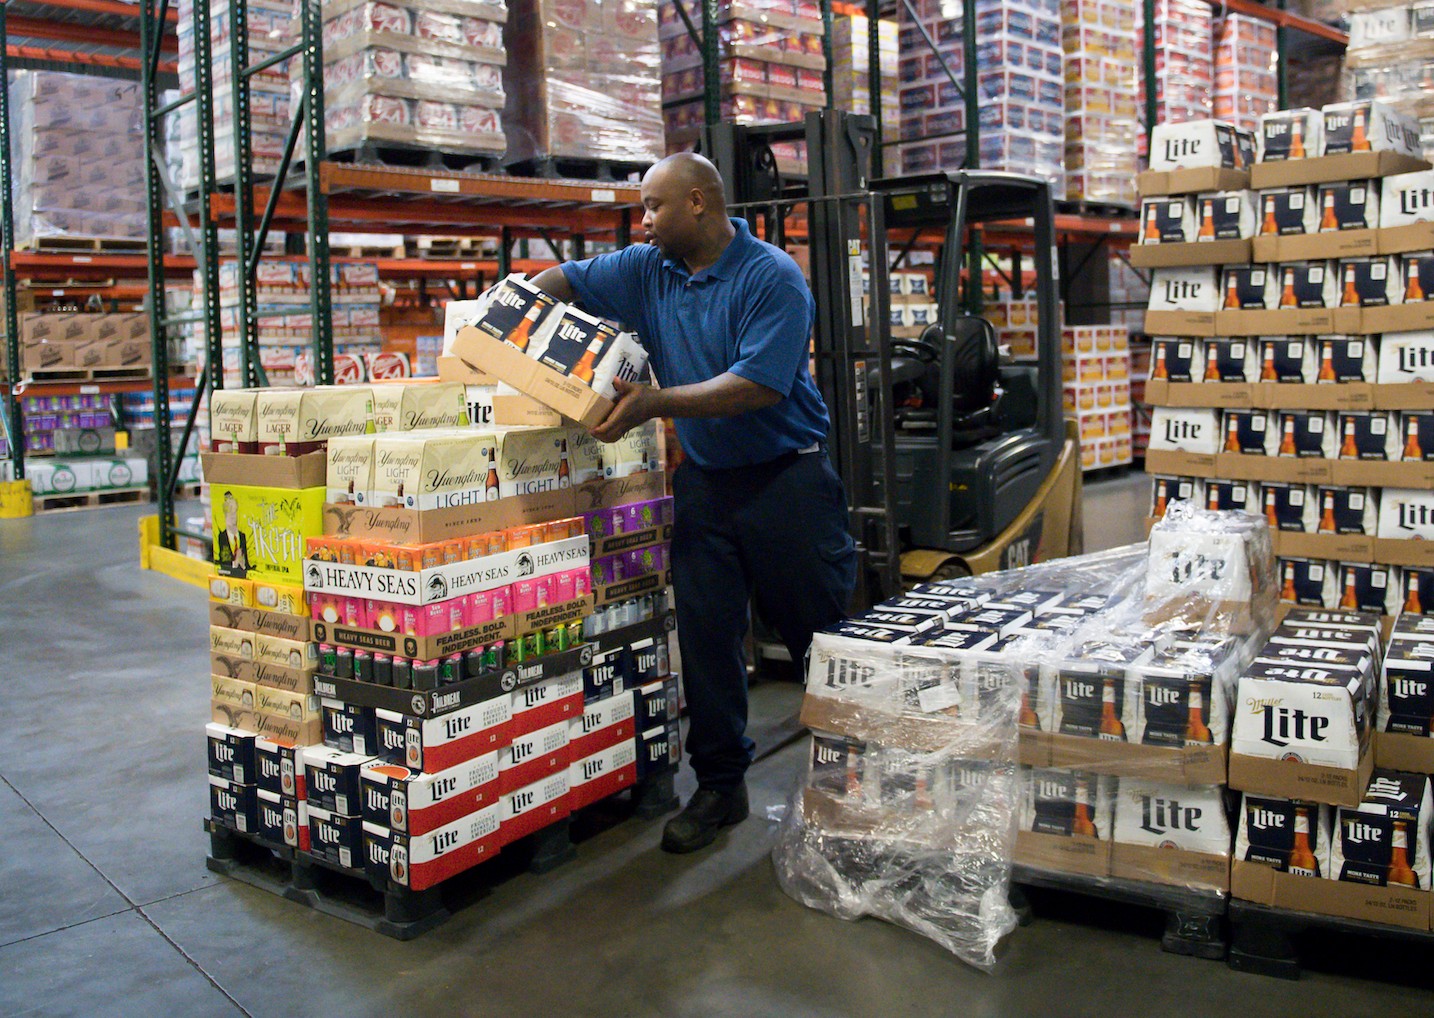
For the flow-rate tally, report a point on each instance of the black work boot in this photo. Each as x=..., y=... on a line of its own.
x=705, y=814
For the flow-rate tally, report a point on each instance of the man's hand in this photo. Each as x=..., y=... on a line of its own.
x=635, y=404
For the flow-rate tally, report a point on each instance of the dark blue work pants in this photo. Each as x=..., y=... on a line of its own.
x=776, y=532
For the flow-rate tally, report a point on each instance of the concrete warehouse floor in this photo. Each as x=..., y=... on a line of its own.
x=106, y=907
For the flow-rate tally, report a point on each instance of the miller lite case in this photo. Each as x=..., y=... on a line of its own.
x=1092, y=696
x=1288, y=211
x=1158, y=815
x=1185, y=430
x=601, y=774
x=1348, y=205
x=1165, y=490
x=1247, y=432
x=336, y=837
x=1068, y=804
x=1416, y=276
x=1417, y=429
x=1288, y=835
x=609, y=674
x=438, y=743
x=1193, y=145
x=231, y=754
x=1230, y=360
x=1303, y=719
x=658, y=749
x=349, y=727
x=1224, y=215
x=1167, y=220
x=1349, y=620
x=1291, y=134
x=1369, y=126
x=413, y=802
x=1368, y=282
x=333, y=779
x=1368, y=435
x=1406, y=703
x=1416, y=589
x=1306, y=434
x=838, y=767
x=1347, y=510
x=1174, y=360
x=1229, y=496
x=1288, y=507
x=279, y=764
x=1308, y=582
x=1369, y=587
x=234, y=805
x=570, y=336
x=1187, y=289
x=1181, y=695
x=283, y=820
x=516, y=312
x=1307, y=285
x=1288, y=359
x=1250, y=288
x=1405, y=514
x=419, y=861
x=1406, y=357
x=1345, y=359
x=1407, y=198
x=1384, y=840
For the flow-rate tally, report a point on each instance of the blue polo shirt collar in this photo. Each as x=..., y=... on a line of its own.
x=726, y=264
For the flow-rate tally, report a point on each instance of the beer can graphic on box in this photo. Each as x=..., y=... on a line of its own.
x=1369, y=126
x=1068, y=803
x=1348, y=205
x=1406, y=513
x=1369, y=282
x=1157, y=815
x=1189, y=289
x=1224, y=215
x=1165, y=490
x=1406, y=703
x=1288, y=211
x=1406, y=357
x=1290, y=134
x=1174, y=360
x=1384, y=840
x=1407, y=198
x=1307, y=285
x=1288, y=835
x=1193, y=145
x=1312, y=722
x=1246, y=431
x=1249, y=288
x=1185, y=430
x=1167, y=220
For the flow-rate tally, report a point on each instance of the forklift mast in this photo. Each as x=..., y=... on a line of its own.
x=850, y=342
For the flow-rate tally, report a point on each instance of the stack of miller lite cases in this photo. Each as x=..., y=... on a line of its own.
x=1292, y=367
x=461, y=641
x=1072, y=717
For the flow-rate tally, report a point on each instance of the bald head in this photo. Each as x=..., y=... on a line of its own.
x=685, y=209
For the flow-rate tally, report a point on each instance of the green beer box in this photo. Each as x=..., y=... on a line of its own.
x=260, y=532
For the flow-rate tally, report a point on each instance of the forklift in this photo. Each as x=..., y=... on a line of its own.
x=956, y=460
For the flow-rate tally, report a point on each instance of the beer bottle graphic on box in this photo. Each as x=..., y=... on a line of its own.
x=1287, y=835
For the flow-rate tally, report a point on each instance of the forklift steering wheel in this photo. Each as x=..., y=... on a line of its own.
x=926, y=349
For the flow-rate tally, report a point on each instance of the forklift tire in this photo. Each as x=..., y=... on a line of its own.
x=927, y=565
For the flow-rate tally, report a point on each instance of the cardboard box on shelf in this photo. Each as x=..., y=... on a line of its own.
x=1345, y=166
x=1192, y=181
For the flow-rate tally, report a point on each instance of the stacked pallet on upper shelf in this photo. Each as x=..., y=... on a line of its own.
x=1297, y=379
x=1101, y=98
x=1096, y=376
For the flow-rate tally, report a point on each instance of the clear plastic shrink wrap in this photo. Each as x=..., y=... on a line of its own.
x=1072, y=716
x=584, y=81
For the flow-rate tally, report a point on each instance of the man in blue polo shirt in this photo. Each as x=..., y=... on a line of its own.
x=726, y=319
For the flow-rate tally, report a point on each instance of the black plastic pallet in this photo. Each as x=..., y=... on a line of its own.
x=1263, y=938
x=559, y=168
x=397, y=912
x=1194, y=920
x=370, y=153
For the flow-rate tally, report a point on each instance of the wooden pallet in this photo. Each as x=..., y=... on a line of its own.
x=76, y=500
x=72, y=245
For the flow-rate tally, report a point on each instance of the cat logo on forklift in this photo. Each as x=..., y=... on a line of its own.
x=1025, y=549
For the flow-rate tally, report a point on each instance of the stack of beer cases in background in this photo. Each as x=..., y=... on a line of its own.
x=1297, y=384
x=1390, y=47
x=1102, y=94
x=1184, y=63
x=1096, y=371
x=284, y=324
x=1245, y=84
x=1021, y=84
x=772, y=68
x=1333, y=755
x=1116, y=672
x=912, y=303
x=851, y=74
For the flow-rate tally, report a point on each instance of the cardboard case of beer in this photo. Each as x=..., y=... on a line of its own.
x=283, y=820
x=1289, y=211
x=598, y=775
x=1290, y=134
x=1066, y=820
x=234, y=805
x=1193, y=145
x=259, y=532
x=1189, y=289
x=433, y=745
x=1287, y=835
x=1406, y=357
x=1168, y=220
x=1385, y=839
x=1156, y=815
x=1406, y=514
x=420, y=861
x=414, y=406
x=1369, y=126
x=412, y=802
x=1348, y=205
x=1406, y=696
x=1225, y=215
x=333, y=779
x=231, y=754
x=1185, y=430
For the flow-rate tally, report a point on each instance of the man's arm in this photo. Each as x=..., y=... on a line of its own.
x=555, y=282
x=727, y=395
